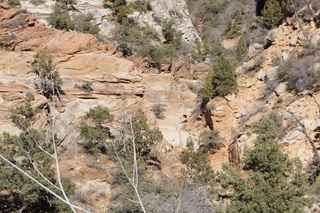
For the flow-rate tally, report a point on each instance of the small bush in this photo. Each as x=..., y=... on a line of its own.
x=121, y=9
x=86, y=86
x=94, y=137
x=83, y=23
x=233, y=28
x=4, y=41
x=220, y=81
x=37, y=2
x=14, y=3
x=24, y=116
x=171, y=35
x=301, y=74
x=19, y=21
x=142, y=5
x=210, y=141
x=60, y=19
x=158, y=110
x=48, y=81
x=195, y=88
x=272, y=13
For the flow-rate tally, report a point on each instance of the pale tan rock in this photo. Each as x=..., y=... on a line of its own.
x=230, y=44
x=5, y=5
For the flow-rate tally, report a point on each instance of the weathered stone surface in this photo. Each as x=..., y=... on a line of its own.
x=5, y=5
x=102, y=67
x=230, y=44
x=261, y=75
x=33, y=37
x=315, y=37
x=282, y=88
x=271, y=73
x=243, y=138
x=202, y=68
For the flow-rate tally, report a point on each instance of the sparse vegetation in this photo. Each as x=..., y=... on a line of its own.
x=48, y=81
x=32, y=152
x=198, y=169
x=300, y=73
x=94, y=137
x=142, y=5
x=14, y=3
x=84, y=23
x=85, y=86
x=242, y=49
x=37, y=2
x=60, y=19
x=4, y=40
x=275, y=183
x=158, y=110
x=272, y=13
x=23, y=116
x=210, y=141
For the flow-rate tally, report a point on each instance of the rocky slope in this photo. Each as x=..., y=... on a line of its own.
x=126, y=84
x=164, y=10
x=121, y=84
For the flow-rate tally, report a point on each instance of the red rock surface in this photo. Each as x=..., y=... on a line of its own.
x=26, y=35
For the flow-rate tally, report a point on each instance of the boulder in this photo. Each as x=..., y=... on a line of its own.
x=315, y=37
x=230, y=44
x=271, y=73
x=282, y=88
x=202, y=68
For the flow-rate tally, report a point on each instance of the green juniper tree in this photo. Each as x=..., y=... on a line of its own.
x=272, y=13
x=23, y=116
x=221, y=81
x=273, y=183
x=32, y=151
x=198, y=169
x=94, y=137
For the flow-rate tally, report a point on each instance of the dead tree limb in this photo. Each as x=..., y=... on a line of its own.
x=304, y=130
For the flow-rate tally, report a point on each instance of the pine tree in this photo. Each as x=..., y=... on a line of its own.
x=272, y=13
x=242, y=49
x=275, y=183
x=94, y=137
x=224, y=79
x=31, y=152
x=208, y=87
x=220, y=81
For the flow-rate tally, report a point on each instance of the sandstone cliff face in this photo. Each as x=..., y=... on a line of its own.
x=126, y=84
x=163, y=10
x=122, y=85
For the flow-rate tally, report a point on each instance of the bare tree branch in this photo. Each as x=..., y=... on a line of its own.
x=40, y=184
x=315, y=151
x=134, y=181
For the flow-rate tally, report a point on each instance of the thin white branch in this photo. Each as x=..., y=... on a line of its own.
x=56, y=152
x=40, y=184
x=134, y=180
x=36, y=169
x=133, y=201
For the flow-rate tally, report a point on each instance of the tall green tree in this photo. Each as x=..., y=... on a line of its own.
x=31, y=151
x=198, y=170
x=144, y=136
x=94, y=136
x=272, y=13
x=273, y=183
x=222, y=80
